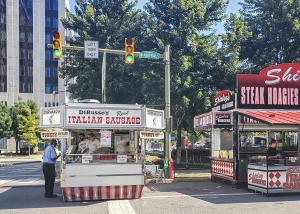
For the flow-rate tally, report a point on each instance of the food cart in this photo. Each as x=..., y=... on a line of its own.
x=266, y=107
x=115, y=170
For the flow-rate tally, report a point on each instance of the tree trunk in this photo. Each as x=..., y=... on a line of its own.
x=17, y=146
x=178, y=145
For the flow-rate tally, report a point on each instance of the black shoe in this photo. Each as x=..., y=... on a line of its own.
x=51, y=196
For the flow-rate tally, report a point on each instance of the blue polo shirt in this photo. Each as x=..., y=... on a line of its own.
x=49, y=155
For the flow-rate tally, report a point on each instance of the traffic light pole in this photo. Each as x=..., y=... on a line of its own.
x=103, y=69
x=167, y=102
x=103, y=78
x=166, y=58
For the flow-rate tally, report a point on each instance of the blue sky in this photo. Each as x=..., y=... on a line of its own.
x=233, y=7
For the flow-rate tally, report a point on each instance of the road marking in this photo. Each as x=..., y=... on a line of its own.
x=5, y=181
x=202, y=195
x=120, y=207
x=4, y=189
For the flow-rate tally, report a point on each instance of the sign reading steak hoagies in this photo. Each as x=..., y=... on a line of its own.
x=276, y=87
x=103, y=117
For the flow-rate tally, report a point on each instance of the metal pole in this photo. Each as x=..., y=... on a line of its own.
x=167, y=101
x=104, y=78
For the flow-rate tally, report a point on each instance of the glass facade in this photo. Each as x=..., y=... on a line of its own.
x=26, y=47
x=51, y=65
x=3, y=58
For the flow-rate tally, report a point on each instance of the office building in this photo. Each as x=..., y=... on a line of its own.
x=27, y=68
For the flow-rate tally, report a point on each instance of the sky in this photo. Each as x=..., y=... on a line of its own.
x=233, y=7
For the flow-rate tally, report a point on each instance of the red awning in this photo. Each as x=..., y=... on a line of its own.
x=275, y=117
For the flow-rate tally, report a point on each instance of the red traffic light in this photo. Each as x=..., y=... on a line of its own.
x=129, y=41
x=56, y=35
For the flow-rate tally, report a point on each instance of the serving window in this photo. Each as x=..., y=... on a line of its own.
x=223, y=142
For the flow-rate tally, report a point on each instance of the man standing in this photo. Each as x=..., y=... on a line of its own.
x=49, y=160
x=93, y=143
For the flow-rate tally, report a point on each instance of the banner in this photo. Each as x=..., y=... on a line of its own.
x=222, y=118
x=55, y=134
x=223, y=101
x=154, y=119
x=203, y=121
x=51, y=117
x=90, y=118
x=276, y=87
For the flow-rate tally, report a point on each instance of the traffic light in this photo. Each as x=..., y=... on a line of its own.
x=57, y=45
x=129, y=50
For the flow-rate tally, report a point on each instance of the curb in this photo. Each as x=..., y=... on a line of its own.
x=182, y=179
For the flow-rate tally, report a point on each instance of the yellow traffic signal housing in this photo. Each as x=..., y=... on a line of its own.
x=57, y=45
x=129, y=50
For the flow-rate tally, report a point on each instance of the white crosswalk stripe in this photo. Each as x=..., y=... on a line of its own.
x=120, y=207
x=5, y=181
x=4, y=189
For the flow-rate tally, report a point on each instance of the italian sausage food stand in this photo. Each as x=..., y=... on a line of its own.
x=112, y=165
x=266, y=106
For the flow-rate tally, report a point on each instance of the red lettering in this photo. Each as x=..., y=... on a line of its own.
x=138, y=120
x=78, y=120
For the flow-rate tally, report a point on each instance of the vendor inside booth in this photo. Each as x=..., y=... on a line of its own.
x=102, y=155
x=261, y=149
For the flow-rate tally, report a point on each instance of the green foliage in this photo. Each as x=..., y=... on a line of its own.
x=25, y=124
x=202, y=62
x=275, y=38
x=5, y=122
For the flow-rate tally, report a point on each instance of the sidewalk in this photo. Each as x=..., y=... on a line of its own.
x=8, y=160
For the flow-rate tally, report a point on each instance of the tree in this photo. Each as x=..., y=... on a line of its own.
x=107, y=22
x=5, y=122
x=180, y=23
x=25, y=123
x=28, y=126
x=275, y=29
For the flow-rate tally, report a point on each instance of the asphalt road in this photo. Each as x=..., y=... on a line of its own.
x=20, y=175
x=176, y=198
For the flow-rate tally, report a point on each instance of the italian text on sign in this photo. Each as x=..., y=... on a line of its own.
x=91, y=49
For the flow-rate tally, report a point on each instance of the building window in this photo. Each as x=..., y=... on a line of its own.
x=26, y=47
x=51, y=65
x=3, y=59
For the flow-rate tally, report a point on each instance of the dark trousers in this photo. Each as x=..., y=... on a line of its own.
x=49, y=175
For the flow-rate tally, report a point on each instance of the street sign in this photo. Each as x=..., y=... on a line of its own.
x=150, y=55
x=91, y=49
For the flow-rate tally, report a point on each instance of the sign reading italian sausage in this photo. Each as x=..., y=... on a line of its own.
x=103, y=117
x=276, y=87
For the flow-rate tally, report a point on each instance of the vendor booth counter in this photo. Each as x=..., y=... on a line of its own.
x=274, y=178
x=101, y=179
x=239, y=152
x=109, y=165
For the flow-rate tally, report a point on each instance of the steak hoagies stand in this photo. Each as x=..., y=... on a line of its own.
x=266, y=107
x=114, y=170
